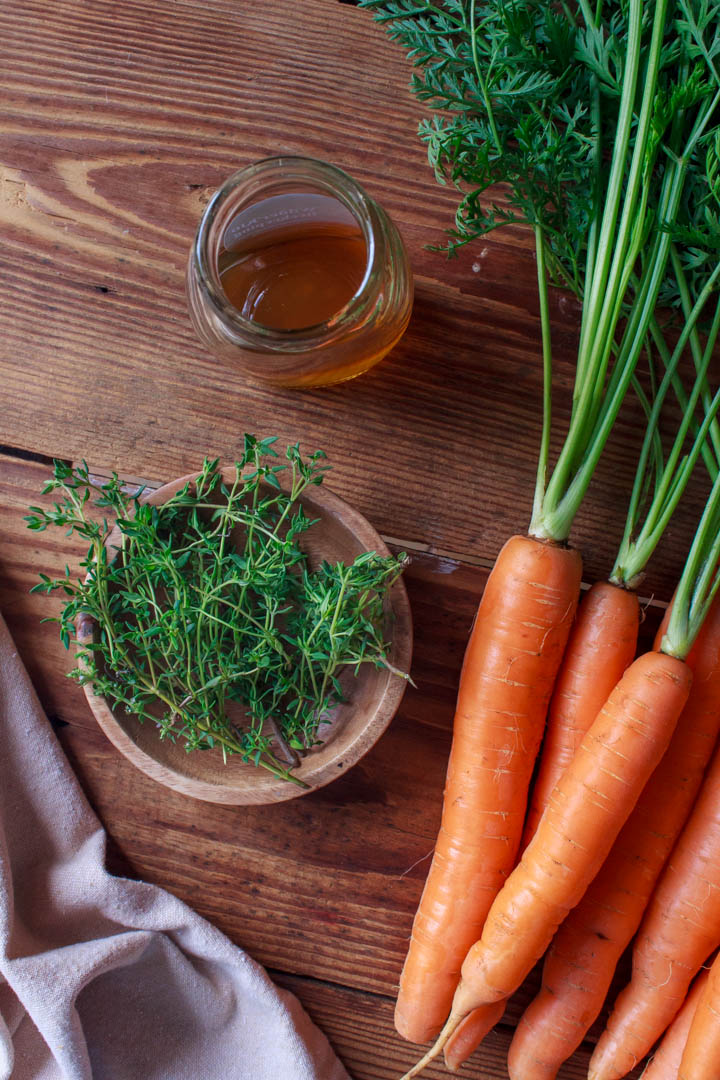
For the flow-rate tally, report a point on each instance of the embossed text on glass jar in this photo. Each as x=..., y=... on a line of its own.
x=279, y=246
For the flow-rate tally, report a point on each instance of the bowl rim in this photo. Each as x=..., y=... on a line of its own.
x=266, y=788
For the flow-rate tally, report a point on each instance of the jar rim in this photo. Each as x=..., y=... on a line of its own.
x=343, y=187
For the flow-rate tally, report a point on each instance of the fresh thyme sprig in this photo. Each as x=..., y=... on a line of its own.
x=211, y=624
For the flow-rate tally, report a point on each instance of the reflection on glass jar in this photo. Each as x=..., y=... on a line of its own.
x=297, y=277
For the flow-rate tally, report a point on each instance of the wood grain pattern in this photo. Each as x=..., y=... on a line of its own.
x=117, y=124
x=298, y=884
x=116, y=129
x=361, y=1029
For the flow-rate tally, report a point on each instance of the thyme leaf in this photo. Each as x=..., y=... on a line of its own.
x=211, y=623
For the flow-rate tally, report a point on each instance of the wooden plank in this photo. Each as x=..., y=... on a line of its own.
x=116, y=129
x=325, y=886
x=240, y=862
x=360, y=1028
x=24, y=555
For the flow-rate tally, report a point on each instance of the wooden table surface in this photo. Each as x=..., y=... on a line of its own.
x=118, y=122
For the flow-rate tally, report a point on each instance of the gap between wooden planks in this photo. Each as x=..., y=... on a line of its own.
x=115, y=133
x=335, y=920
x=448, y=561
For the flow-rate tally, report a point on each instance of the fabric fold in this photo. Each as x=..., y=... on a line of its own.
x=104, y=978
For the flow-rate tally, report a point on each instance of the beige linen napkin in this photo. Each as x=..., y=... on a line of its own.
x=111, y=979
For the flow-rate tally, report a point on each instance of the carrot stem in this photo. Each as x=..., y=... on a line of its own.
x=618, y=240
x=696, y=348
x=698, y=583
x=711, y=460
x=635, y=551
x=547, y=374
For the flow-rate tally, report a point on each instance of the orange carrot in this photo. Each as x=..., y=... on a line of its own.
x=580, y=964
x=511, y=661
x=701, y=1056
x=586, y=812
x=602, y=645
x=679, y=931
x=666, y=1059
x=466, y=1038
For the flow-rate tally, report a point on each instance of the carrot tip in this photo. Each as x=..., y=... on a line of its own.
x=437, y=1048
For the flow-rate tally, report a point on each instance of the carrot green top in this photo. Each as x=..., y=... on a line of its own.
x=671, y=474
x=698, y=583
x=602, y=124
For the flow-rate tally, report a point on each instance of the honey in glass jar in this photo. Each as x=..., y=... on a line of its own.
x=297, y=277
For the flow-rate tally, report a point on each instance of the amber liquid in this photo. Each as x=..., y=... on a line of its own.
x=293, y=274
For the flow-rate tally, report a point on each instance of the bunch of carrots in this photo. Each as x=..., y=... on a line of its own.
x=604, y=123
x=621, y=833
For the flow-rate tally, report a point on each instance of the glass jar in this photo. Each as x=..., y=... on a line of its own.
x=271, y=194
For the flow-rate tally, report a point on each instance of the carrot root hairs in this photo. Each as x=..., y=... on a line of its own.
x=666, y=1060
x=701, y=1056
x=436, y=1049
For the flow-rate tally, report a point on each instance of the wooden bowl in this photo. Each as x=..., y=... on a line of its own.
x=340, y=533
